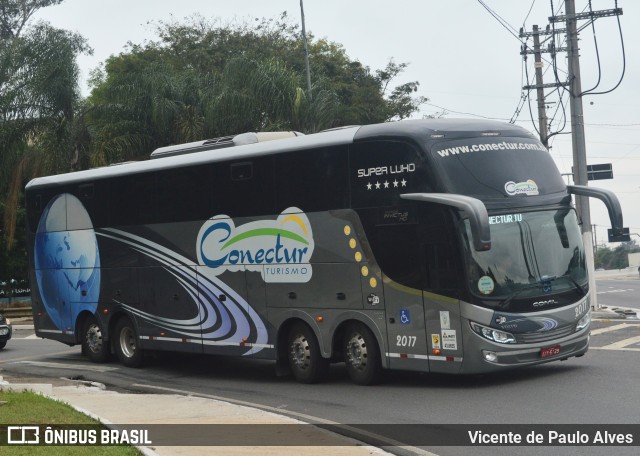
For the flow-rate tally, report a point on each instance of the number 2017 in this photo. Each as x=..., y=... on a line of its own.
x=406, y=341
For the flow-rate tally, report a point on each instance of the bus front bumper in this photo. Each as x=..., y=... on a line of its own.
x=495, y=357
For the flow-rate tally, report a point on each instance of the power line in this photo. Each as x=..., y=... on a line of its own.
x=509, y=28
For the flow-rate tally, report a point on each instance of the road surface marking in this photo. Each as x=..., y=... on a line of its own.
x=69, y=366
x=623, y=344
x=595, y=332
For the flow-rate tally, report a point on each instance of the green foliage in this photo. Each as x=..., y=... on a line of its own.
x=14, y=15
x=40, y=131
x=13, y=265
x=203, y=79
x=617, y=258
x=199, y=79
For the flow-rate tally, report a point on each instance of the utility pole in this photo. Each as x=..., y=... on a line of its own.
x=577, y=125
x=306, y=52
x=578, y=140
x=542, y=112
x=580, y=176
x=539, y=85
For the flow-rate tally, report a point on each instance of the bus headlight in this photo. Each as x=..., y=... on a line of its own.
x=584, y=321
x=493, y=335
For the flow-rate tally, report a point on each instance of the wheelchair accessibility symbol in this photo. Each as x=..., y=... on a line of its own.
x=405, y=317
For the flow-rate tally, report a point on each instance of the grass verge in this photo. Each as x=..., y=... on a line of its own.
x=28, y=408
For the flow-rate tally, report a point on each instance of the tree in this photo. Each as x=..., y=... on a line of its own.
x=617, y=258
x=14, y=15
x=39, y=99
x=204, y=79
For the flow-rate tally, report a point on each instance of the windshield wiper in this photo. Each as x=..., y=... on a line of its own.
x=507, y=301
x=548, y=279
x=543, y=283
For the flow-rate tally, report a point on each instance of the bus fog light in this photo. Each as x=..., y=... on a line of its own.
x=584, y=321
x=490, y=356
x=493, y=335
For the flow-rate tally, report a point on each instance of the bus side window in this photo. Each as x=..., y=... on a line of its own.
x=86, y=191
x=183, y=194
x=137, y=210
x=241, y=171
x=34, y=206
x=442, y=271
x=313, y=180
x=243, y=188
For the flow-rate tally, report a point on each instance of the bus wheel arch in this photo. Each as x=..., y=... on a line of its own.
x=93, y=338
x=126, y=342
x=299, y=345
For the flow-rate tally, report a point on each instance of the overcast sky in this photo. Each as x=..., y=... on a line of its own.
x=465, y=60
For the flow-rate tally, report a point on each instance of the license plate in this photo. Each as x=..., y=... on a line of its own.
x=549, y=351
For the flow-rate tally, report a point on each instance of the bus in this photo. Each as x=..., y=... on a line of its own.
x=436, y=245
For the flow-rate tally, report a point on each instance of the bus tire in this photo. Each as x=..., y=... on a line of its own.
x=305, y=358
x=94, y=346
x=126, y=343
x=362, y=355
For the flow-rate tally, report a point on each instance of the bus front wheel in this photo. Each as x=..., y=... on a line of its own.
x=94, y=346
x=362, y=355
x=305, y=358
x=126, y=343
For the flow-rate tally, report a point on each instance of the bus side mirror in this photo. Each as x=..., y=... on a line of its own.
x=621, y=235
x=473, y=208
x=617, y=233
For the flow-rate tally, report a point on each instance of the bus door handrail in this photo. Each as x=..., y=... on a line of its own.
x=472, y=207
x=608, y=198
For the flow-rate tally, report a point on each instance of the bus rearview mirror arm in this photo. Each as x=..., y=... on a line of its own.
x=472, y=207
x=608, y=198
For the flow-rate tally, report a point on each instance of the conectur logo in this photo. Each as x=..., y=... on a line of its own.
x=521, y=188
x=279, y=249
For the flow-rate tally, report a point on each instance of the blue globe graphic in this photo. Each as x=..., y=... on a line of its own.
x=67, y=261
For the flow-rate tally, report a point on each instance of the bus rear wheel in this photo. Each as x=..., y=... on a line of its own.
x=305, y=358
x=362, y=355
x=94, y=346
x=126, y=343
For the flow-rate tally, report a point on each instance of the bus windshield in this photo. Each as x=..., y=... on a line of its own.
x=532, y=254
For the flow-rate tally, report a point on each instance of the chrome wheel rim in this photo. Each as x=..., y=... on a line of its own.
x=94, y=338
x=300, y=352
x=127, y=342
x=357, y=352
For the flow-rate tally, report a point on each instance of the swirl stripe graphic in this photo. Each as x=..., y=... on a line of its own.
x=226, y=322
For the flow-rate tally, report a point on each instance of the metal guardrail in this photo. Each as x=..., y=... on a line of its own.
x=16, y=312
x=19, y=309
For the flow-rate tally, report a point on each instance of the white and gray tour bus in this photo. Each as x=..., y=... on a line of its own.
x=441, y=245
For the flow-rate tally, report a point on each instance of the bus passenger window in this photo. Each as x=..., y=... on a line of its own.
x=241, y=171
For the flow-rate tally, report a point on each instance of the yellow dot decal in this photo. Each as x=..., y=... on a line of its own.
x=365, y=271
x=352, y=243
x=373, y=282
x=358, y=256
x=347, y=230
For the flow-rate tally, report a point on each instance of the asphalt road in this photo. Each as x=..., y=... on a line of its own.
x=620, y=292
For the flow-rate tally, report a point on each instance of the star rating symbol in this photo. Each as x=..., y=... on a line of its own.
x=386, y=184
